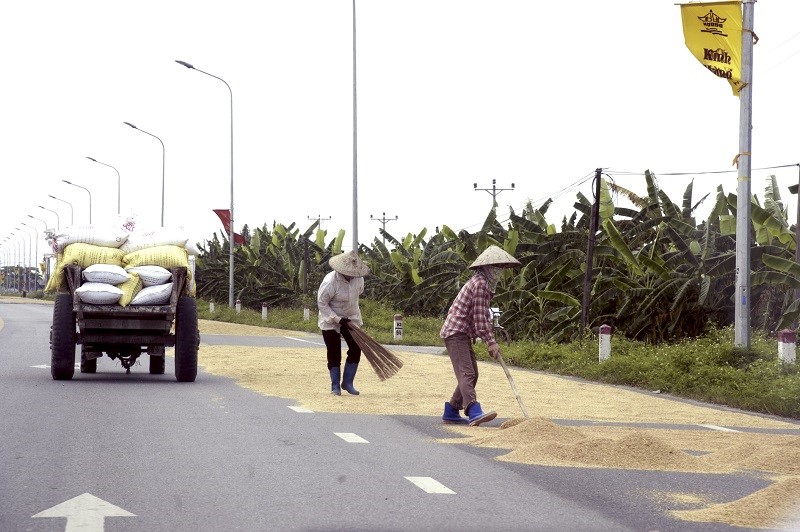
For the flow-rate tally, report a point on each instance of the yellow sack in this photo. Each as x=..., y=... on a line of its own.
x=57, y=277
x=130, y=288
x=83, y=255
x=164, y=256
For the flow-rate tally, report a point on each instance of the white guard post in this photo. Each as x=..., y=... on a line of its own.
x=494, y=315
x=264, y=310
x=238, y=306
x=211, y=307
x=398, y=326
x=306, y=313
x=787, y=345
x=605, y=342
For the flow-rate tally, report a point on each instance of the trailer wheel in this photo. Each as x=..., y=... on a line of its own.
x=187, y=339
x=62, y=339
x=156, y=364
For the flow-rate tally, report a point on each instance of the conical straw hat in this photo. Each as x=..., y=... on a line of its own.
x=495, y=256
x=349, y=264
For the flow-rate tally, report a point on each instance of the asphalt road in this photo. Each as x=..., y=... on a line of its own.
x=136, y=452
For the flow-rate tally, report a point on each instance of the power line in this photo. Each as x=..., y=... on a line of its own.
x=620, y=172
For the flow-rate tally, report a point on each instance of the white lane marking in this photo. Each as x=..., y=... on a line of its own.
x=429, y=485
x=301, y=409
x=301, y=340
x=85, y=513
x=45, y=366
x=349, y=437
x=715, y=427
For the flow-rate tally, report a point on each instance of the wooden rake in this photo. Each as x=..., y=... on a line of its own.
x=513, y=386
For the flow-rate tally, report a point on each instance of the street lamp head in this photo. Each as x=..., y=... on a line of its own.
x=475, y=186
x=65, y=181
x=91, y=159
x=129, y=124
x=512, y=186
x=50, y=195
x=184, y=63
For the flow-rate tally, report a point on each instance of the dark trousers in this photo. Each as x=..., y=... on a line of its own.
x=465, y=367
x=333, y=342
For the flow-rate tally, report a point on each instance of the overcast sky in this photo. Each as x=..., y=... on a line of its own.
x=450, y=93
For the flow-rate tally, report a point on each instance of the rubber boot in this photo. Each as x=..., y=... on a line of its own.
x=347, y=379
x=476, y=415
x=335, y=376
x=452, y=417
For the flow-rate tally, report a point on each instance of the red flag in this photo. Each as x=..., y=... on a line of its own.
x=225, y=218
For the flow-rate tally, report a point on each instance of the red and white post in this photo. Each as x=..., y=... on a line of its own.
x=787, y=346
x=605, y=342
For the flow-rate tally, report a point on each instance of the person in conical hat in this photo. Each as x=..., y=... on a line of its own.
x=337, y=300
x=467, y=320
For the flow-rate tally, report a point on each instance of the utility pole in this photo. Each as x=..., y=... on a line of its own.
x=743, y=198
x=494, y=191
x=319, y=219
x=383, y=221
x=794, y=190
x=587, y=276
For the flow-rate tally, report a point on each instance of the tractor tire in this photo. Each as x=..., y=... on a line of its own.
x=156, y=365
x=62, y=339
x=88, y=366
x=187, y=339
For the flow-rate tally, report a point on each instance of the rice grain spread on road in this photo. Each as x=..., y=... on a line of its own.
x=539, y=440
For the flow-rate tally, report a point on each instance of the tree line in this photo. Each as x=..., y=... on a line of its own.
x=657, y=274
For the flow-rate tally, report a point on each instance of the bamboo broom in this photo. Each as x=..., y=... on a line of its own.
x=385, y=363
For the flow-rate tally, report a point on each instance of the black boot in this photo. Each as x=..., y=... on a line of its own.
x=335, y=376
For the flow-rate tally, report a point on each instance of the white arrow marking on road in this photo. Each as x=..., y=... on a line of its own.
x=429, y=485
x=85, y=513
x=349, y=437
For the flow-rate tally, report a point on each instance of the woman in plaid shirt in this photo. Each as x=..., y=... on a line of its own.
x=468, y=319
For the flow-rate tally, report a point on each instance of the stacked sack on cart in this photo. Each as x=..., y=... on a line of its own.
x=122, y=266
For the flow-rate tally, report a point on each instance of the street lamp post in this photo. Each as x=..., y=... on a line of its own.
x=8, y=260
x=58, y=220
x=119, y=180
x=25, y=257
x=47, y=276
x=87, y=191
x=35, y=218
x=35, y=250
x=71, y=210
x=163, y=157
x=18, y=268
x=231, y=228
x=14, y=256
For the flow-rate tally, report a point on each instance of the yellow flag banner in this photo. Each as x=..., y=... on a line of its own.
x=713, y=33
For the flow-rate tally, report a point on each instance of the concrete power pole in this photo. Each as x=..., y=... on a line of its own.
x=383, y=221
